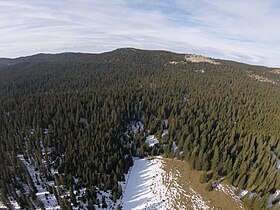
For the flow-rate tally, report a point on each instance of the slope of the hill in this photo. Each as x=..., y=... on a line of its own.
x=67, y=124
x=159, y=183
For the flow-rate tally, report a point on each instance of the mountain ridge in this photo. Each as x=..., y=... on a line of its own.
x=75, y=56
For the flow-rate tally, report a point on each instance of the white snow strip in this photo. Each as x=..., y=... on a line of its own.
x=151, y=140
x=278, y=165
x=174, y=147
x=165, y=132
x=145, y=188
x=278, y=161
x=273, y=197
x=243, y=193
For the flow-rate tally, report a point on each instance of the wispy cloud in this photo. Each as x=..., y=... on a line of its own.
x=241, y=30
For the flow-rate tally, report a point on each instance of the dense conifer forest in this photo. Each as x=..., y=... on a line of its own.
x=67, y=115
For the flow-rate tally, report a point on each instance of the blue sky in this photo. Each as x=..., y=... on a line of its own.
x=242, y=30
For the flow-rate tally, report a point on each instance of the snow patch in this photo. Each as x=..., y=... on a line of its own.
x=134, y=127
x=273, y=197
x=278, y=161
x=165, y=123
x=2, y=206
x=200, y=70
x=46, y=131
x=151, y=140
x=197, y=201
x=14, y=203
x=174, y=147
x=165, y=132
x=227, y=189
x=231, y=191
x=108, y=201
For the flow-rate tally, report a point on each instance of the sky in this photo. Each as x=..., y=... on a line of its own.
x=241, y=30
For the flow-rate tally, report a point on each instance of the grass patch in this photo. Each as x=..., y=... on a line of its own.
x=180, y=175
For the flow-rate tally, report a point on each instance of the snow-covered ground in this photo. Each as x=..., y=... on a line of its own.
x=41, y=184
x=231, y=191
x=13, y=203
x=273, y=197
x=151, y=140
x=278, y=161
x=164, y=133
x=174, y=147
x=134, y=127
x=2, y=206
x=149, y=186
x=145, y=189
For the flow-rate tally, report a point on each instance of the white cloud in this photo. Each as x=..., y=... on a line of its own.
x=241, y=30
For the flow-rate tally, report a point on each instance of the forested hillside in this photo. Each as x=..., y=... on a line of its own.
x=64, y=117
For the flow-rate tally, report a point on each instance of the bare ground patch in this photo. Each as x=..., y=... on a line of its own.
x=191, y=193
x=200, y=58
x=262, y=79
x=195, y=59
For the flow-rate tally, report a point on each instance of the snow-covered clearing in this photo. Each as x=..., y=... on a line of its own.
x=149, y=186
x=145, y=188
